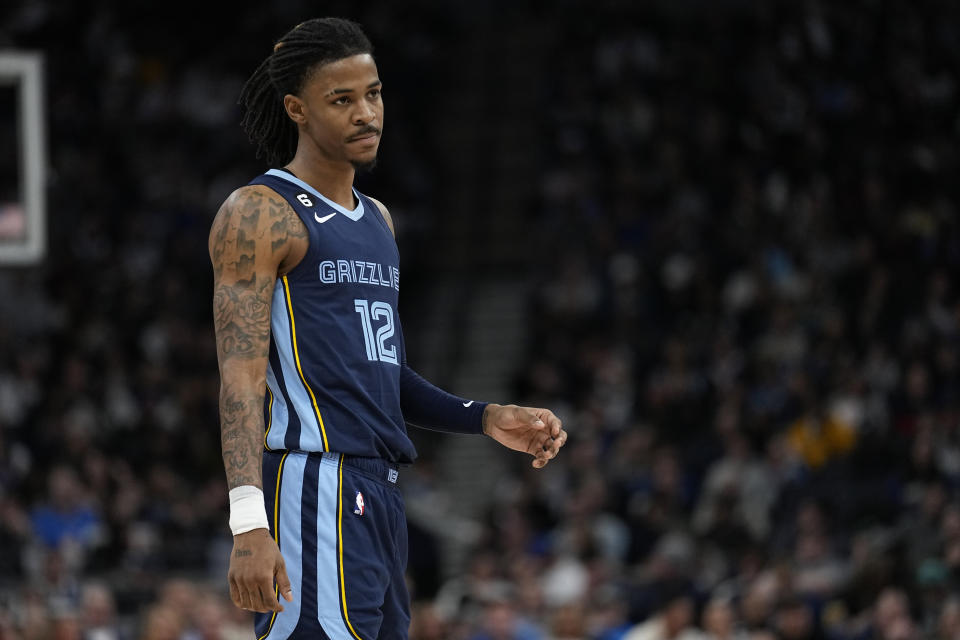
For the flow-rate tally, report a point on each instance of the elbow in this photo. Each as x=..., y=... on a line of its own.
x=235, y=384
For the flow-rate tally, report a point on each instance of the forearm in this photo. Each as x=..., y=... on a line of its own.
x=250, y=238
x=241, y=432
x=426, y=405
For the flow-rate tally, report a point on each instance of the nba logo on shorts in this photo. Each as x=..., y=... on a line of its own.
x=359, y=508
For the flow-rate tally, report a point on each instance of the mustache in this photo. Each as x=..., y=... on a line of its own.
x=367, y=130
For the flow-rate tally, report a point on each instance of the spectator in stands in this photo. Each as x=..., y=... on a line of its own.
x=673, y=620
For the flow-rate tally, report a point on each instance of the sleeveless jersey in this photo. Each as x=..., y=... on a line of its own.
x=333, y=377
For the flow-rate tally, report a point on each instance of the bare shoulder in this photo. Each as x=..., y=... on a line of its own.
x=386, y=215
x=257, y=215
x=250, y=207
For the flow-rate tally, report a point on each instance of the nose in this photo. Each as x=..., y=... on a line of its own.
x=364, y=113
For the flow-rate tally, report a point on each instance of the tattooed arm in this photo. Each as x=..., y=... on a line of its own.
x=255, y=237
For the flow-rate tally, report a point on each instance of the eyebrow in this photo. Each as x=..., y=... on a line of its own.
x=339, y=91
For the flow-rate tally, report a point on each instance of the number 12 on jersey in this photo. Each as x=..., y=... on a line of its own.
x=376, y=344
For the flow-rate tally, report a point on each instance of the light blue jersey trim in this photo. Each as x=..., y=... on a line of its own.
x=291, y=543
x=328, y=581
x=280, y=416
x=310, y=437
x=354, y=215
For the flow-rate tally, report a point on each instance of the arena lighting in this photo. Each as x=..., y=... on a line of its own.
x=23, y=233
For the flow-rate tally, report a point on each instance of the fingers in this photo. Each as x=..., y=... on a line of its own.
x=244, y=599
x=558, y=441
x=248, y=597
x=539, y=419
x=283, y=583
x=268, y=598
x=548, y=448
x=235, y=593
x=256, y=597
x=544, y=419
x=254, y=565
x=527, y=416
x=554, y=426
x=545, y=445
x=257, y=593
x=535, y=430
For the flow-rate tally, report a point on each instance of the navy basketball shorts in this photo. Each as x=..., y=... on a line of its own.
x=340, y=525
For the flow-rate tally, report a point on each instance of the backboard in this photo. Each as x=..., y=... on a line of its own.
x=22, y=159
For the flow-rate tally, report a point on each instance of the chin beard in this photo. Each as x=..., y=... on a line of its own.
x=364, y=166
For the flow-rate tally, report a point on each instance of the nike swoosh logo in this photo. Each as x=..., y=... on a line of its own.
x=324, y=218
x=467, y=404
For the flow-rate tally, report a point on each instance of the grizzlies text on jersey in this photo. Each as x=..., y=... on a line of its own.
x=336, y=343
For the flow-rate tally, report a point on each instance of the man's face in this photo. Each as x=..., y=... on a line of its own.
x=343, y=110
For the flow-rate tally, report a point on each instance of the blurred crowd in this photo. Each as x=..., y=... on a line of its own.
x=751, y=327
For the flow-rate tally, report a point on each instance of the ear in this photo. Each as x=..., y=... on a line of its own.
x=295, y=108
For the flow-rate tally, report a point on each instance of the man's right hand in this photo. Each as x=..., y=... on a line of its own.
x=255, y=564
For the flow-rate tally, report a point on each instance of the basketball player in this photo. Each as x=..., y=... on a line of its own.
x=315, y=388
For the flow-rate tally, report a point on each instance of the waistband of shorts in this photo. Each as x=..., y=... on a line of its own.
x=377, y=467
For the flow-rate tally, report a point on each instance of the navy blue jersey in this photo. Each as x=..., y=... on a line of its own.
x=333, y=379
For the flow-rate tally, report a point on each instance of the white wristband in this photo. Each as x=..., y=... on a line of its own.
x=247, y=511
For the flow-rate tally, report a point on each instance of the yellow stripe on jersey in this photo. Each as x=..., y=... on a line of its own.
x=269, y=420
x=296, y=357
x=276, y=534
x=343, y=586
x=276, y=501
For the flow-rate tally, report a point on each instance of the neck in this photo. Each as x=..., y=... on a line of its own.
x=333, y=179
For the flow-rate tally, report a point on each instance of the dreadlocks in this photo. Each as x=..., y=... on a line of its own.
x=308, y=45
